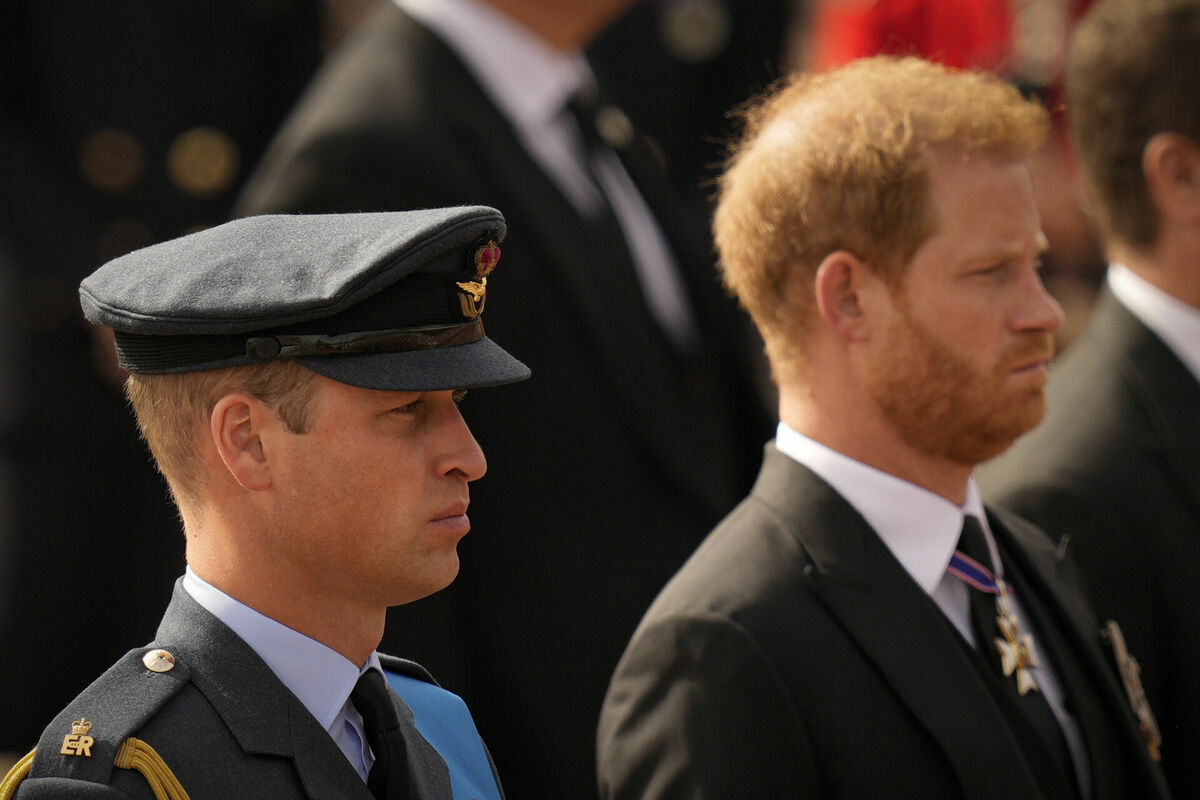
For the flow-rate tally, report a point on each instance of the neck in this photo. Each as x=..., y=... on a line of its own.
x=241, y=569
x=859, y=431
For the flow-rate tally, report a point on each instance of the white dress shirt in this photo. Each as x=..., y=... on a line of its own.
x=921, y=530
x=1172, y=320
x=320, y=677
x=531, y=83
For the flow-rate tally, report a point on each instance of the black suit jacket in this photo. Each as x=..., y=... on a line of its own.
x=793, y=656
x=1115, y=466
x=605, y=469
x=222, y=722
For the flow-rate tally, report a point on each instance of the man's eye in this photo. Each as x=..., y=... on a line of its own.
x=993, y=270
x=409, y=408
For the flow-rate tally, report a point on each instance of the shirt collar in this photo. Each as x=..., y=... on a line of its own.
x=1172, y=320
x=919, y=527
x=320, y=677
x=528, y=79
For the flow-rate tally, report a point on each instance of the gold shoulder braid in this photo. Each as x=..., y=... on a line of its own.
x=8, y=786
x=132, y=754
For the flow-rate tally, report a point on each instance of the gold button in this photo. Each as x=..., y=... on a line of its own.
x=203, y=161
x=159, y=661
x=695, y=31
x=614, y=127
x=111, y=160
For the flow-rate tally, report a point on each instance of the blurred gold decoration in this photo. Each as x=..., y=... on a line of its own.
x=695, y=31
x=111, y=160
x=203, y=161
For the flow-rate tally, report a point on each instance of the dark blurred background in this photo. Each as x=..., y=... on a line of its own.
x=130, y=122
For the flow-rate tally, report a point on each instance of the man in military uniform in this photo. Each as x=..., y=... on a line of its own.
x=297, y=380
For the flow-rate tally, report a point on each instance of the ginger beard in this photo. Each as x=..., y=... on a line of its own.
x=943, y=405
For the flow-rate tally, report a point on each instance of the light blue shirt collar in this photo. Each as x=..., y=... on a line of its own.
x=321, y=678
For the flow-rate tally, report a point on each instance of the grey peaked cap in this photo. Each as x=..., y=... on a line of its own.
x=379, y=300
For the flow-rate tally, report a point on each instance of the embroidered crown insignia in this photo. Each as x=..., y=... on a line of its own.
x=81, y=727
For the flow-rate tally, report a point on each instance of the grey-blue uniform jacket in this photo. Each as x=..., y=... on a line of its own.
x=221, y=721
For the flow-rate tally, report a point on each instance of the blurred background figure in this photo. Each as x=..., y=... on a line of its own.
x=636, y=432
x=678, y=66
x=121, y=124
x=1023, y=41
x=1115, y=467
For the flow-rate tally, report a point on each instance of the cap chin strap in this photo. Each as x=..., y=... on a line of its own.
x=431, y=337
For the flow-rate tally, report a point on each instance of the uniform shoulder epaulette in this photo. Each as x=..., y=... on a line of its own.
x=94, y=734
x=403, y=666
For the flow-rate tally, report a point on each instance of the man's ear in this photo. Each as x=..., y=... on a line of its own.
x=842, y=282
x=236, y=426
x=1171, y=163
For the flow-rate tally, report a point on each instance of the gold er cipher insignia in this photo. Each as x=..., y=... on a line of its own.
x=77, y=742
x=1016, y=649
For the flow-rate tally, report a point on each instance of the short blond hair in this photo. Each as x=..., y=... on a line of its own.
x=174, y=409
x=839, y=161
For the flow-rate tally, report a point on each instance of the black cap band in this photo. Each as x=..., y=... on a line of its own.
x=393, y=341
x=161, y=354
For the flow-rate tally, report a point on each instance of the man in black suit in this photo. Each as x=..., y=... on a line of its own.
x=297, y=380
x=638, y=432
x=1115, y=468
x=861, y=625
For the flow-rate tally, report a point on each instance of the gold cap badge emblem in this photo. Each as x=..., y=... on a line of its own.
x=474, y=293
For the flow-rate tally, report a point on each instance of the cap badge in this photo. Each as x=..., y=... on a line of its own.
x=474, y=293
x=77, y=742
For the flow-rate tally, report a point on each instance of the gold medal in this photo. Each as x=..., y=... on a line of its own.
x=1016, y=648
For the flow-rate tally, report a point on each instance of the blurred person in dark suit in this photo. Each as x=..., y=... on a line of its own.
x=1114, y=470
x=636, y=434
x=678, y=66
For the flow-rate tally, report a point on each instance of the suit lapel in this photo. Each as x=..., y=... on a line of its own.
x=899, y=628
x=260, y=712
x=1165, y=387
x=623, y=342
x=1072, y=634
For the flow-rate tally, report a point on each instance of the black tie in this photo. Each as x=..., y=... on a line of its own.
x=387, y=779
x=589, y=114
x=604, y=128
x=1033, y=706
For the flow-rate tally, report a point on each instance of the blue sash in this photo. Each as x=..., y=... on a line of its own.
x=443, y=719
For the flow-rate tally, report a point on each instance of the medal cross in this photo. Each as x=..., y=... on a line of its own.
x=1016, y=648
